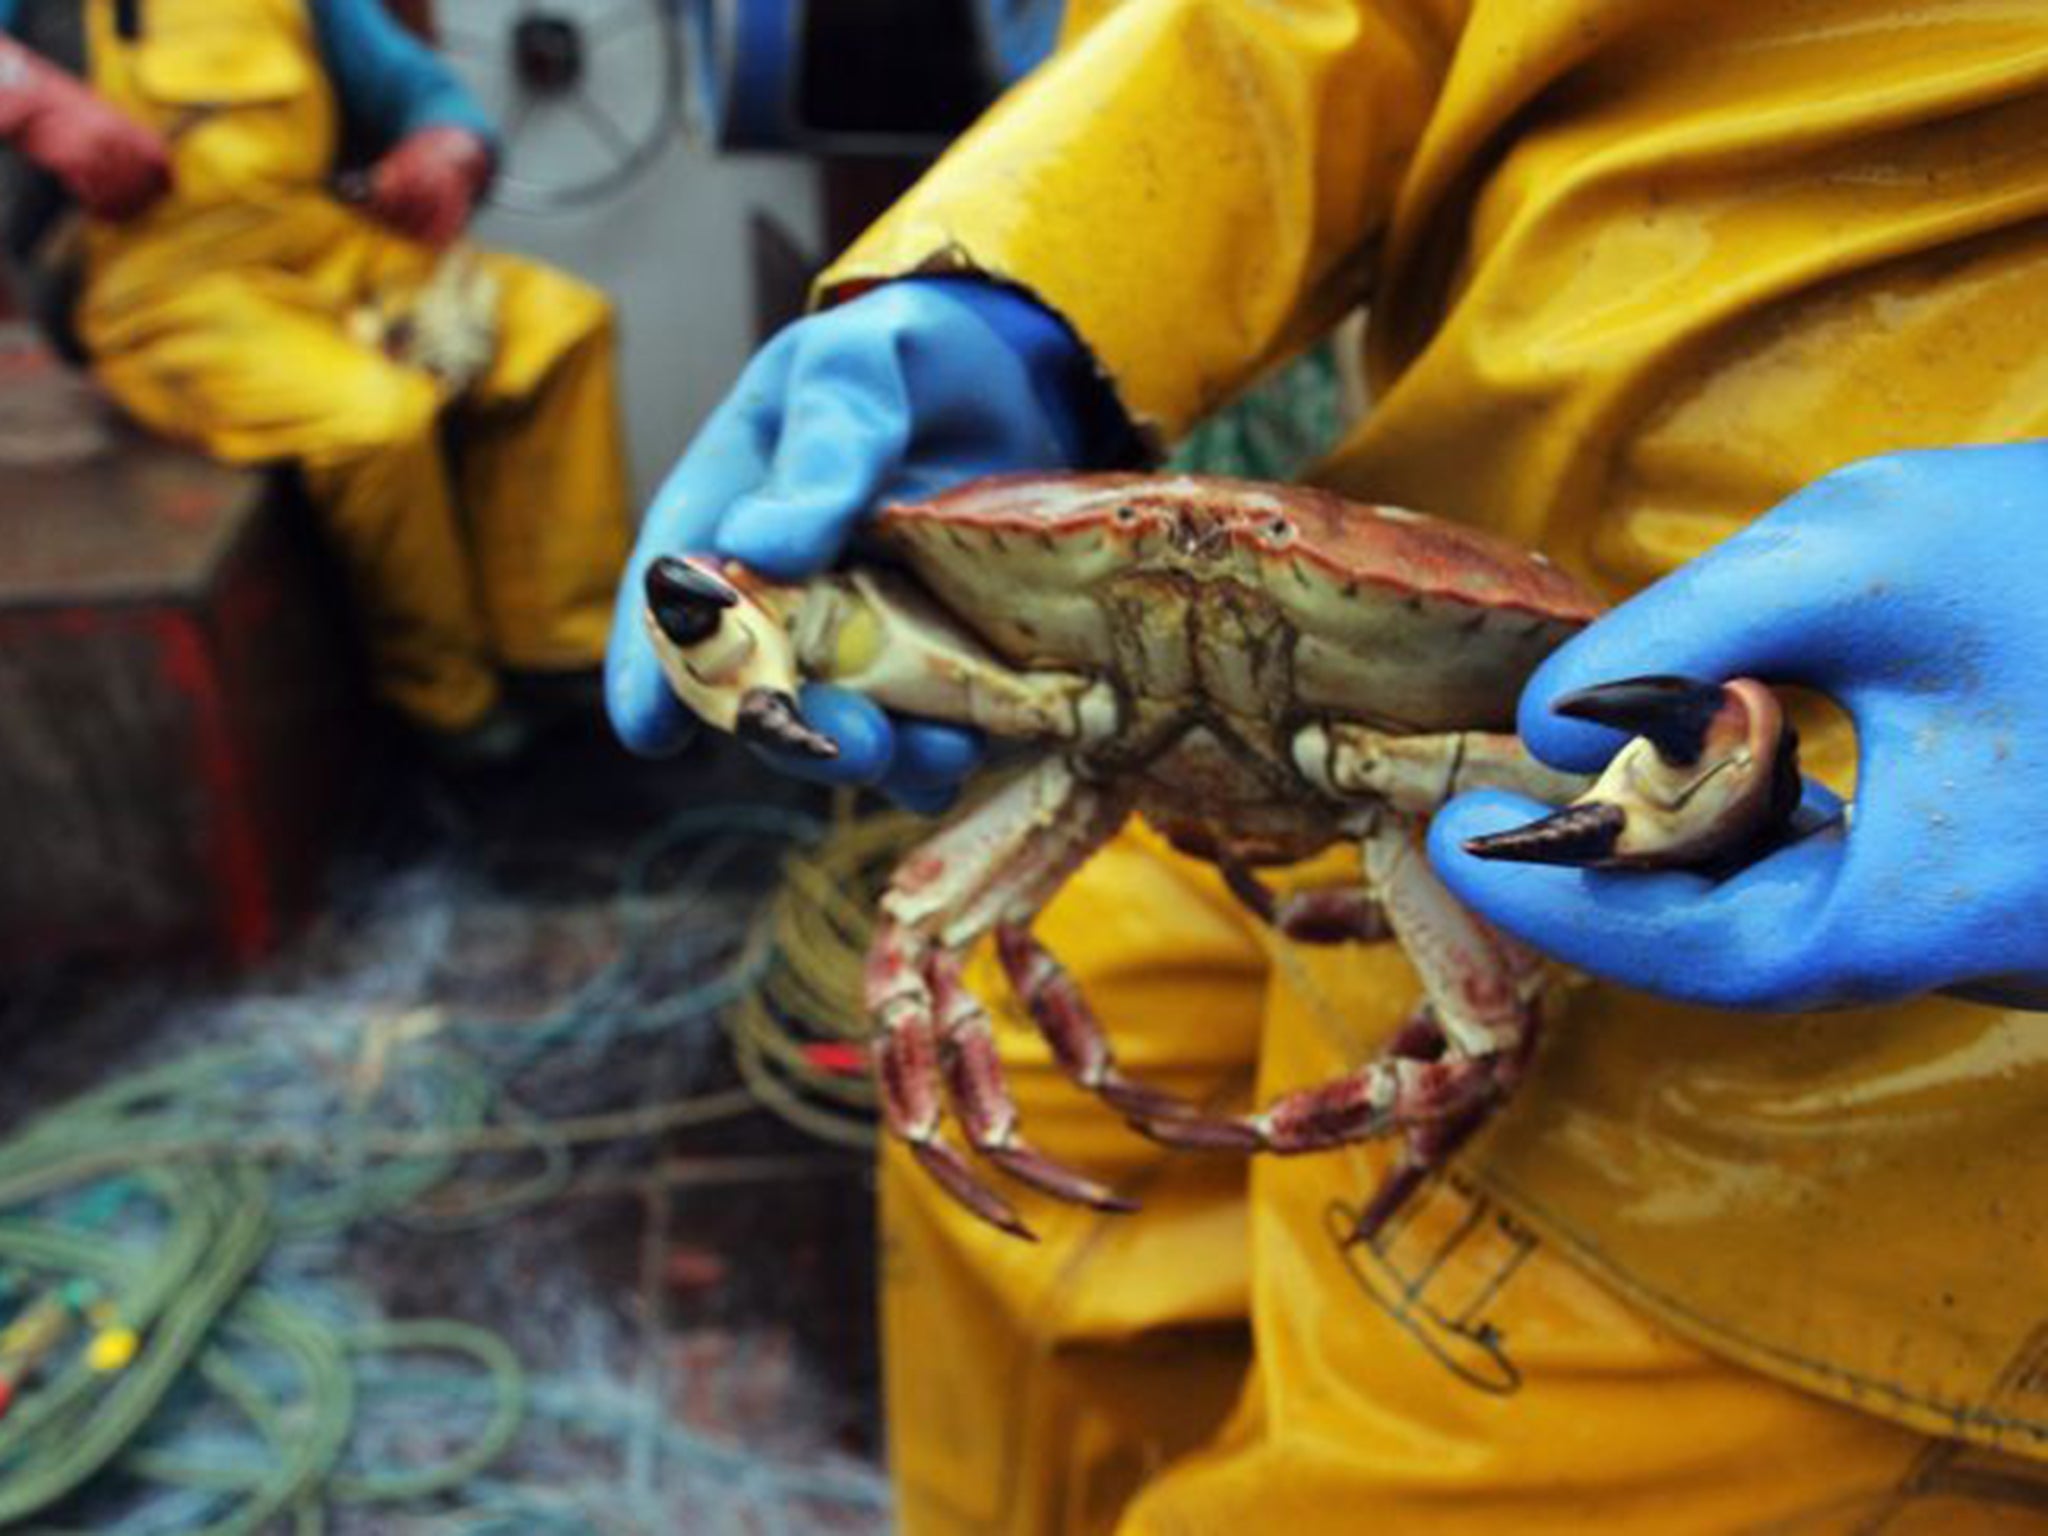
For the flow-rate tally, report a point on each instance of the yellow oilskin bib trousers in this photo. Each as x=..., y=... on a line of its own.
x=220, y=317
x=1637, y=270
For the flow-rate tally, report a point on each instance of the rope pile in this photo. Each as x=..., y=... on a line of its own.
x=176, y=1354
x=800, y=1036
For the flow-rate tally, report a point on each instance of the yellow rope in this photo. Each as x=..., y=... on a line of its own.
x=817, y=928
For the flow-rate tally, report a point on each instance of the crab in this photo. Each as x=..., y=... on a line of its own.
x=1259, y=672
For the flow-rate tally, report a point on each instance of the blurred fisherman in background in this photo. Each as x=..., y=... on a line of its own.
x=452, y=413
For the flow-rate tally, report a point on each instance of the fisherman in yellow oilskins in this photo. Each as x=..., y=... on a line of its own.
x=231, y=297
x=1660, y=288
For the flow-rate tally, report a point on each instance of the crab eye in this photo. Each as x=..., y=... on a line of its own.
x=1127, y=514
x=1280, y=530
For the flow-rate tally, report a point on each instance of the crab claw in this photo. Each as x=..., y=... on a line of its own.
x=958, y=1180
x=687, y=599
x=1674, y=714
x=772, y=718
x=1713, y=771
x=1578, y=834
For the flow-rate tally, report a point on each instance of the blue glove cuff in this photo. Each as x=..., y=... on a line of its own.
x=1080, y=407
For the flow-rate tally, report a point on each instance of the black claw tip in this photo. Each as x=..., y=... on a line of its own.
x=1197, y=1133
x=1577, y=835
x=1030, y=1166
x=1673, y=713
x=1787, y=786
x=773, y=720
x=953, y=1175
x=686, y=599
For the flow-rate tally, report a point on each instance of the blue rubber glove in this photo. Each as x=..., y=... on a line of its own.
x=897, y=394
x=1913, y=589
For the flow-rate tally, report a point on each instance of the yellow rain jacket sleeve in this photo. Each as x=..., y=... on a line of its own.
x=1222, y=158
x=1645, y=267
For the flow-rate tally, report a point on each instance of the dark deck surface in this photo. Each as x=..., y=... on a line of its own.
x=702, y=1304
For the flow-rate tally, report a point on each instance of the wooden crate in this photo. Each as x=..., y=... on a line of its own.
x=180, y=713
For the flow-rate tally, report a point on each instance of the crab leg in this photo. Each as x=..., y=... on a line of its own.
x=995, y=865
x=1479, y=982
x=981, y=1097
x=735, y=646
x=1441, y=1075
x=909, y=1068
x=1329, y=914
x=1079, y=1044
x=879, y=635
x=1417, y=774
x=1430, y=1142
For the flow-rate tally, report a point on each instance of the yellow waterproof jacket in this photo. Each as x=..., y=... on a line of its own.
x=1637, y=270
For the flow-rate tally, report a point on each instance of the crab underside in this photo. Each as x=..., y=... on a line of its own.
x=1260, y=672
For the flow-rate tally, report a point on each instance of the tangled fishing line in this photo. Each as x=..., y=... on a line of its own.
x=177, y=1354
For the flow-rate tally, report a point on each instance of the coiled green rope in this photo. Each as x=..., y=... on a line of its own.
x=170, y=1188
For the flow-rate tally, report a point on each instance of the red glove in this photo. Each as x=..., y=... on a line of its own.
x=428, y=186
x=112, y=164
